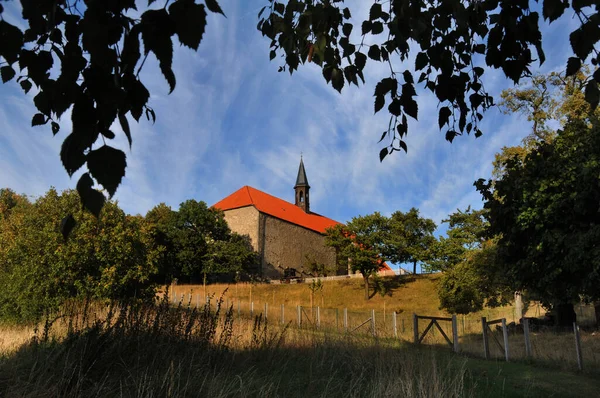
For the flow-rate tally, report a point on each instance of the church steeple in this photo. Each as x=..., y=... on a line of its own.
x=302, y=188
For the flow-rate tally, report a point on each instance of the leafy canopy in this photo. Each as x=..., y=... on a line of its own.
x=450, y=44
x=87, y=57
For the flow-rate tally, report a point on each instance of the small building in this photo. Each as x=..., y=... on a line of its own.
x=286, y=235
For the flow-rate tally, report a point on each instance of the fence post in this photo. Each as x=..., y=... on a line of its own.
x=416, y=328
x=486, y=343
x=505, y=334
x=266, y=310
x=373, y=322
x=239, y=309
x=252, y=309
x=282, y=314
x=394, y=324
x=345, y=319
x=337, y=319
x=318, y=317
x=578, y=346
x=454, y=334
x=528, y=352
x=299, y=317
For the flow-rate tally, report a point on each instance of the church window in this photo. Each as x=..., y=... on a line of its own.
x=301, y=197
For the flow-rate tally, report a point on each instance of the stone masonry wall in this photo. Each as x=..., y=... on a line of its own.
x=288, y=245
x=244, y=221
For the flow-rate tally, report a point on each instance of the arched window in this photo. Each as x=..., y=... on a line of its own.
x=301, y=197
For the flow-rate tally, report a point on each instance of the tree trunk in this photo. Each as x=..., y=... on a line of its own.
x=415, y=267
x=565, y=314
x=366, y=278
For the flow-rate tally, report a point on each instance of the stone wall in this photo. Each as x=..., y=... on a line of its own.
x=244, y=221
x=288, y=245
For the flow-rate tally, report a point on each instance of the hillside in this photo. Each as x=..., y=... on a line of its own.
x=405, y=295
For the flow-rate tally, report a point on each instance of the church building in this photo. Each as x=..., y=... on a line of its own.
x=285, y=235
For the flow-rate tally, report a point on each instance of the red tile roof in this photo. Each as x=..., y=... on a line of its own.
x=268, y=204
x=279, y=208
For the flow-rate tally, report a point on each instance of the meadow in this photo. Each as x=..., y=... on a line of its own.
x=161, y=350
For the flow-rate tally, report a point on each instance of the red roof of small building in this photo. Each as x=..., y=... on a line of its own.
x=279, y=208
x=268, y=204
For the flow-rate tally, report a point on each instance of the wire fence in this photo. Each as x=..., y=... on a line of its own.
x=546, y=344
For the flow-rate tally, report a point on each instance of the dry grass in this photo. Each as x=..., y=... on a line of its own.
x=179, y=352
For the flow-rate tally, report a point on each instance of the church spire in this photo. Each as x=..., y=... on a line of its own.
x=302, y=188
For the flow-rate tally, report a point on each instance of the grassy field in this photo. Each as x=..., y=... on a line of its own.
x=167, y=352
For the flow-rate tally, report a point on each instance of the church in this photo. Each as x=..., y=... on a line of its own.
x=285, y=235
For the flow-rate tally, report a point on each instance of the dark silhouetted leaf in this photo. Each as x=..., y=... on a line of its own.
x=360, y=60
x=25, y=85
x=38, y=119
x=553, y=9
x=450, y=134
x=337, y=79
x=382, y=154
x=375, y=12
x=157, y=29
x=379, y=102
x=11, y=41
x=421, y=61
x=444, y=116
x=382, y=136
x=91, y=199
x=55, y=128
x=107, y=166
x=347, y=29
x=410, y=107
x=403, y=146
x=376, y=28
x=213, y=6
x=592, y=94
x=71, y=153
x=66, y=225
x=374, y=52
x=7, y=73
x=190, y=20
x=573, y=66
x=408, y=77
x=125, y=126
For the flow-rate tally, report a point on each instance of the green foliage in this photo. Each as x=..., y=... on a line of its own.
x=86, y=58
x=361, y=242
x=196, y=240
x=455, y=42
x=466, y=230
x=105, y=257
x=410, y=238
x=545, y=212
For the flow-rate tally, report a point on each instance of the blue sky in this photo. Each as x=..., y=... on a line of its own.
x=233, y=120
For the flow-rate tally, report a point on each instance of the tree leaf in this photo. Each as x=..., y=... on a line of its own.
x=375, y=12
x=382, y=154
x=11, y=42
x=403, y=146
x=71, y=153
x=7, y=73
x=573, y=66
x=125, y=126
x=410, y=107
x=25, y=85
x=107, y=166
x=38, y=120
x=360, y=60
x=421, y=61
x=408, y=77
x=444, y=116
x=592, y=94
x=157, y=28
x=376, y=28
x=190, y=20
x=66, y=225
x=55, y=128
x=347, y=29
x=374, y=52
x=379, y=102
x=450, y=134
x=213, y=6
x=337, y=79
x=91, y=199
x=553, y=9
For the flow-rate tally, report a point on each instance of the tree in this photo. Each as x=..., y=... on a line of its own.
x=466, y=233
x=411, y=238
x=361, y=242
x=160, y=231
x=454, y=40
x=105, y=257
x=545, y=213
x=86, y=56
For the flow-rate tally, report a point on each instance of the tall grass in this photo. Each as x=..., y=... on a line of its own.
x=161, y=351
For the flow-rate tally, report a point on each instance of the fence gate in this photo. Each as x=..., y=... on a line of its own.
x=433, y=321
x=485, y=325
